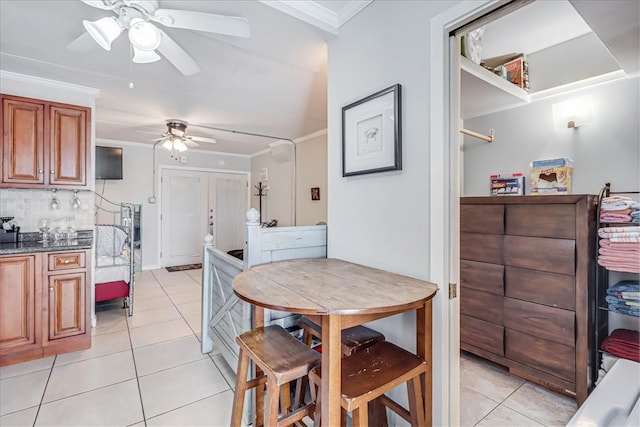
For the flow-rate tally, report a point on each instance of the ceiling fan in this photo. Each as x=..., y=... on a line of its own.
x=137, y=17
x=176, y=140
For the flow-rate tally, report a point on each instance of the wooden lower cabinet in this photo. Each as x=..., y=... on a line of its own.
x=42, y=311
x=526, y=278
x=20, y=308
x=66, y=305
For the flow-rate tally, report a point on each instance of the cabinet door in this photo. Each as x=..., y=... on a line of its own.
x=19, y=307
x=22, y=142
x=66, y=305
x=68, y=146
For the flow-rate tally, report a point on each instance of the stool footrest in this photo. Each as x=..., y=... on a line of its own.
x=352, y=339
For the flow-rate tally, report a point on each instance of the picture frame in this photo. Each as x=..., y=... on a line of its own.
x=372, y=133
x=315, y=193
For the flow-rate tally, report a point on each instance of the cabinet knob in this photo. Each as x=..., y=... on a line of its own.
x=51, y=289
x=40, y=170
x=52, y=171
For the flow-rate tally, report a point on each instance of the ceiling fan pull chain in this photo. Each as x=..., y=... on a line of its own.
x=130, y=66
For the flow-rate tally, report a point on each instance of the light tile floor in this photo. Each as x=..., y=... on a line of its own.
x=148, y=370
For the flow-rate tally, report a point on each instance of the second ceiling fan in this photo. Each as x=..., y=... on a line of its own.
x=137, y=17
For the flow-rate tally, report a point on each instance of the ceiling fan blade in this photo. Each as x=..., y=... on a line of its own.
x=190, y=143
x=84, y=43
x=177, y=56
x=100, y=4
x=203, y=139
x=200, y=21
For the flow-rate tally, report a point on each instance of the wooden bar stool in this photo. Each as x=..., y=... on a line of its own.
x=353, y=339
x=369, y=374
x=282, y=359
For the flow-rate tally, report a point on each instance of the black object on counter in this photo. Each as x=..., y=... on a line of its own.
x=9, y=236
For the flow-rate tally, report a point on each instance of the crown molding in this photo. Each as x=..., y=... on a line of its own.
x=314, y=13
x=54, y=84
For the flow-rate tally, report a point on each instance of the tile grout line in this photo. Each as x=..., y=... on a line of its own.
x=53, y=364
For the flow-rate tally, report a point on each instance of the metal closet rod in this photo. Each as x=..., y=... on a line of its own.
x=488, y=138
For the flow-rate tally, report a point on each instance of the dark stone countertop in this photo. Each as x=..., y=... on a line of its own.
x=29, y=243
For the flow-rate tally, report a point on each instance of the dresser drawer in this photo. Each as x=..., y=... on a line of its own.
x=482, y=276
x=553, y=289
x=482, y=305
x=481, y=334
x=66, y=261
x=481, y=247
x=547, y=356
x=553, y=324
x=488, y=219
x=536, y=253
x=552, y=220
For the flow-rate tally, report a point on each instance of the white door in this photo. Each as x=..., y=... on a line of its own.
x=183, y=216
x=227, y=208
x=195, y=203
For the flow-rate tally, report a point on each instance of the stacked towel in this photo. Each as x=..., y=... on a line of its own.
x=608, y=360
x=619, y=209
x=620, y=249
x=624, y=297
x=635, y=212
x=623, y=343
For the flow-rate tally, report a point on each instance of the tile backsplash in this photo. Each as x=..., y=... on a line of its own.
x=30, y=206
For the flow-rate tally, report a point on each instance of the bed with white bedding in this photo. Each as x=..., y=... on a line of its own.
x=114, y=275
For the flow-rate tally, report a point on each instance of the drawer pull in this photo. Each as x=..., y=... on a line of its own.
x=66, y=261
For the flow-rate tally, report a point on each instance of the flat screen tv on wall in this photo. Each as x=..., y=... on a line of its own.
x=108, y=163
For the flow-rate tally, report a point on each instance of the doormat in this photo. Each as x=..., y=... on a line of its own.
x=184, y=267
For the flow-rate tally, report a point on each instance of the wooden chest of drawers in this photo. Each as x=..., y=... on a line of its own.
x=527, y=274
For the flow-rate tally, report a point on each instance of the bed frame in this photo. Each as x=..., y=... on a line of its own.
x=224, y=315
x=114, y=252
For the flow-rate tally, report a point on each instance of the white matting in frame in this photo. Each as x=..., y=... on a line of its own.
x=371, y=133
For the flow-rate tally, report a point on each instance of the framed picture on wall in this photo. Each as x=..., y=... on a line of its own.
x=372, y=133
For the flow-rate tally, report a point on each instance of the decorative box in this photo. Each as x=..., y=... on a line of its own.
x=511, y=184
x=554, y=180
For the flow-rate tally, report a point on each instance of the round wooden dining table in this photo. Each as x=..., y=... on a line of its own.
x=338, y=295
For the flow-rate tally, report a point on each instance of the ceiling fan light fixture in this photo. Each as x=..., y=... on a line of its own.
x=178, y=145
x=168, y=144
x=144, y=57
x=104, y=31
x=144, y=35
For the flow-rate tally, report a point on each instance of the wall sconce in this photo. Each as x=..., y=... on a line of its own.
x=573, y=112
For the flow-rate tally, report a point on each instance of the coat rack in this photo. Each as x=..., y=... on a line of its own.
x=488, y=138
x=262, y=192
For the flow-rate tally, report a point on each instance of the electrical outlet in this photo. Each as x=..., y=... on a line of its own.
x=152, y=200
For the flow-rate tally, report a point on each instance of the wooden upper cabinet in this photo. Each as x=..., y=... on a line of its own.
x=22, y=141
x=67, y=146
x=44, y=144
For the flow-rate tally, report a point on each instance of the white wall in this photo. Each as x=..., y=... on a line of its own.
x=382, y=219
x=137, y=184
x=605, y=150
x=278, y=204
x=311, y=171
